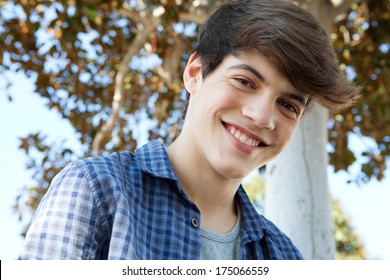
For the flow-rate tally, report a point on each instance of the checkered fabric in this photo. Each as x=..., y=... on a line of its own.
x=131, y=206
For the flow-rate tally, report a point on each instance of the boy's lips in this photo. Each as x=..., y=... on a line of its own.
x=244, y=137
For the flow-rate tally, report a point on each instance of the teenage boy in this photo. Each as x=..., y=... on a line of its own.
x=258, y=67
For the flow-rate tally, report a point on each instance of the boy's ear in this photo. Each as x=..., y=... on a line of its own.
x=192, y=74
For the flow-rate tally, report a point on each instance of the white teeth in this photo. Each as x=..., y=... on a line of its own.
x=252, y=142
x=243, y=138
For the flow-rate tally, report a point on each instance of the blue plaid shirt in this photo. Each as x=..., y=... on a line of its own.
x=131, y=206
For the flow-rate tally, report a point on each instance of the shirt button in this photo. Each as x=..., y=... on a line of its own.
x=194, y=222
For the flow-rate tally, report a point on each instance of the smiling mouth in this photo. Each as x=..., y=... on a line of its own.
x=243, y=137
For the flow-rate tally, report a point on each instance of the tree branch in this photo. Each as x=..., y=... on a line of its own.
x=130, y=13
x=199, y=16
x=139, y=41
x=200, y=12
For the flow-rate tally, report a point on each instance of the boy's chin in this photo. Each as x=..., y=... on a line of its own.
x=234, y=173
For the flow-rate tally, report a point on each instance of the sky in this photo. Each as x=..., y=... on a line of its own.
x=368, y=206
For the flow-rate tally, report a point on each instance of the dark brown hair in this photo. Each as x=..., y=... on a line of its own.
x=287, y=35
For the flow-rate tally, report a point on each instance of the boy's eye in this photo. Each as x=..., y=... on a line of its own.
x=244, y=82
x=291, y=108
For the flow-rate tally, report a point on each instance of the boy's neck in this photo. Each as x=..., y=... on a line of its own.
x=213, y=194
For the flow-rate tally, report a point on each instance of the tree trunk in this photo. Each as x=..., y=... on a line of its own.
x=297, y=197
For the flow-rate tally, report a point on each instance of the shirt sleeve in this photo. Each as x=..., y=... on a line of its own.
x=65, y=224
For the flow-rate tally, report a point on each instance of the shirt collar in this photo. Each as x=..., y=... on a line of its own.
x=153, y=159
x=253, y=224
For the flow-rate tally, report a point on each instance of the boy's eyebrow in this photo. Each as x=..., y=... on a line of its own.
x=250, y=69
x=301, y=99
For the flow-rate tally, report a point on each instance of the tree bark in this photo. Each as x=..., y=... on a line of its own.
x=297, y=197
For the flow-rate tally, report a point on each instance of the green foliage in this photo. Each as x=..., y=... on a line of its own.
x=52, y=158
x=77, y=46
x=348, y=243
x=255, y=189
x=362, y=38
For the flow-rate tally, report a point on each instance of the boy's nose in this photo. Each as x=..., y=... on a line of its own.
x=261, y=110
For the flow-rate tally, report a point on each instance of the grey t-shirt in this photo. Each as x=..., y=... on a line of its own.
x=224, y=246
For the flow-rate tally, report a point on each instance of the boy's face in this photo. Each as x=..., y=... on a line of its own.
x=242, y=114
